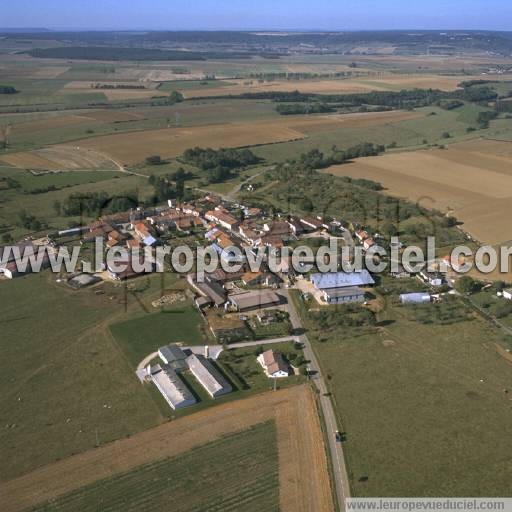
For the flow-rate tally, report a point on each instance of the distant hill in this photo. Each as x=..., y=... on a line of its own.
x=22, y=30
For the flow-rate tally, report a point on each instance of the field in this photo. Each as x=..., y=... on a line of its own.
x=471, y=180
x=423, y=397
x=146, y=333
x=419, y=401
x=61, y=157
x=374, y=82
x=66, y=384
x=303, y=478
x=133, y=147
x=252, y=452
x=15, y=200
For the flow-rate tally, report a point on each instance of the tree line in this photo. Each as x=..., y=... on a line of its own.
x=219, y=164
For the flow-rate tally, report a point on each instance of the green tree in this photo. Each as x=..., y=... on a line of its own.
x=466, y=285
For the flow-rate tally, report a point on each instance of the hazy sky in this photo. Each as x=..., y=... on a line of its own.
x=258, y=14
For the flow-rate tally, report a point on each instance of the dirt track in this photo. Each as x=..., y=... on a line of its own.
x=304, y=480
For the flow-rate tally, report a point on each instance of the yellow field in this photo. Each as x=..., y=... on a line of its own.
x=472, y=180
x=130, y=148
x=374, y=82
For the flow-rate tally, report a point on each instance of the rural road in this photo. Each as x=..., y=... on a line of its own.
x=336, y=450
x=215, y=350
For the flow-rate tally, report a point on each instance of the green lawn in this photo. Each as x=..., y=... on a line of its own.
x=145, y=333
x=423, y=404
x=248, y=374
x=65, y=382
x=250, y=482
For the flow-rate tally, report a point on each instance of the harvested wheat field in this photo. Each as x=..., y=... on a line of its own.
x=303, y=477
x=61, y=157
x=472, y=180
x=134, y=147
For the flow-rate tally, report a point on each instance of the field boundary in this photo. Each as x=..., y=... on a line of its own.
x=303, y=474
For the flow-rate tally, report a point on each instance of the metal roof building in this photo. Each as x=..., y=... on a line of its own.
x=255, y=300
x=172, y=388
x=341, y=279
x=340, y=295
x=173, y=356
x=208, y=376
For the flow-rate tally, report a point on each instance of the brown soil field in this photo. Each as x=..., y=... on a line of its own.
x=133, y=147
x=472, y=180
x=60, y=157
x=303, y=476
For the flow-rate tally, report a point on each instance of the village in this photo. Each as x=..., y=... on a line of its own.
x=241, y=306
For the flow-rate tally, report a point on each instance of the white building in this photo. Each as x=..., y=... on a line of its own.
x=172, y=388
x=507, y=293
x=273, y=364
x=208, y=376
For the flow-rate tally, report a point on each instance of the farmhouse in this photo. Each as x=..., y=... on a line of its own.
x=341, y=295
x=341, y=279
x=254, y=300
x=208, y=376
x=369, y=242
x=221, y=276
x=311, y=223
x=224, y=219
x=211, y=289
x=296, y=227
x=260, y=278
x=172, y=388
x=273, y=364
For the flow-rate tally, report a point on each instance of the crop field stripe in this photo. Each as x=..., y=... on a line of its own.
x=302, y=476
x=250, y=482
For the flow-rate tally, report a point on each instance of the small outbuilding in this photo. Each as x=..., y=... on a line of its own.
x=415, y=298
